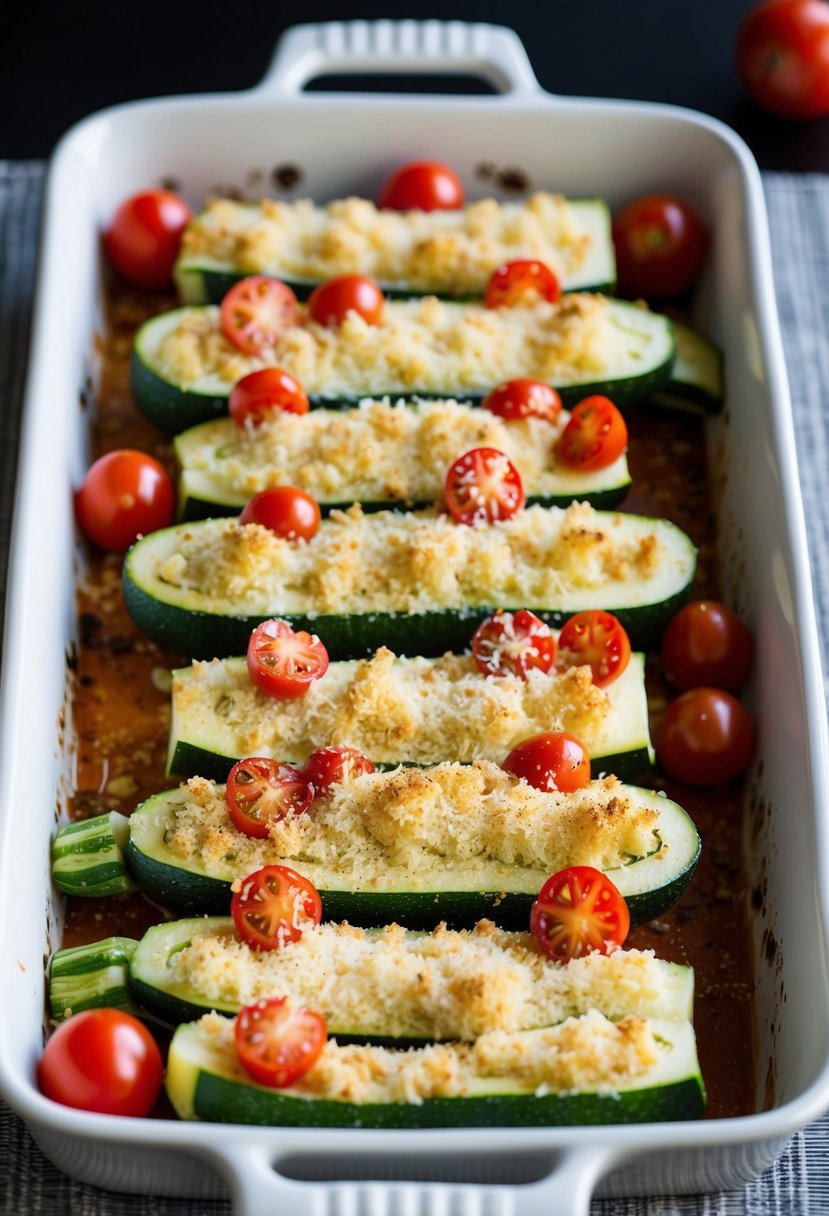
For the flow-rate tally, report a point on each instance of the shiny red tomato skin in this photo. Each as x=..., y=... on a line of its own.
x=520, y=283
x=706, y=737
x=274, y=906
x=595, y=436
x=424, y=185
x=782, y=51
x=331, y=302
x=284, y=663
x=483, y=486
x=707, y=644
x=256, y=311
x=579, y=911
x=143, y=238
x=261, y=791
x=125, y=494
x=277, y=1042
x=329, y=766
x=102, y=1060
x=660, y=246
x=598, y=639
x=514, y=644
x=263, y=395
x=286, y=510
x=554, y=760
x=524, y=398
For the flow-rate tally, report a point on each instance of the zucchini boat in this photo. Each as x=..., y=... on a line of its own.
x=404, y=711
x=414, y=581
x=696, y=385
x=415, y=846
x=88, y=856
x=444, y=253
x=587, y=1070
x=380, y=455
x=183, y=367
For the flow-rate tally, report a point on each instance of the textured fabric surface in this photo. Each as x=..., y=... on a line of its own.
x=798, y=1184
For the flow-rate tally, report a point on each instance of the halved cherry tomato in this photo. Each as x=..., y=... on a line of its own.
x=256, y=311
x=143, y=238
x=706, y=737
x=424, y=185
x=554, y=760
x=102, y=1060
x=513, y=643
x=521, y=283
x=287, y=510
x=524, y=399
x=264, y=395
x=274, y=906
x=482, y=486
x=331, y=302
x=598, y=639
x=595, y=436
x=283, y=662
x=707, y=643
x=124, y=494
x=260, y=792
x=277, y=1041
x=329, y=766
x=783, y=56
x=660, y=246
x=579, y=911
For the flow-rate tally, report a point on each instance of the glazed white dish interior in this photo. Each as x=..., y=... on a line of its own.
x=348, y=144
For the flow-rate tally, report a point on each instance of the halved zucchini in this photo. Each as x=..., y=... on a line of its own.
x=88, y=856
x=629, y=359
x=91, y=977
x=380, y=455
x=697, y=383
x=415, y=582
x=204, y=1081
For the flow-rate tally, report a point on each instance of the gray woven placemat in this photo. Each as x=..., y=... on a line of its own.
x=798, y=1184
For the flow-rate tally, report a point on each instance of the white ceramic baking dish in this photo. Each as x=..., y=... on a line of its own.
x=349, y=143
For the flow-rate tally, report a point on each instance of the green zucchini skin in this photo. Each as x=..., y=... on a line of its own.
x=88, y=856
x=91, y=977
x=697, y=383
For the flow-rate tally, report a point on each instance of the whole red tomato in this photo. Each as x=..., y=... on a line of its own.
x=143, y=238
x=660, y=246
x=783, y=57
x=102, y=1060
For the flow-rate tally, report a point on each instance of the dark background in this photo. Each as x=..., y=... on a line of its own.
x=60, y=62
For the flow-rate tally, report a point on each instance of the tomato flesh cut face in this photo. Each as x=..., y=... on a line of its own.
x=516, y=399
x=595, y=436
x=579, y=911
x=483, y=486
x=263, y=395
x=554, y=760
x=330, y=766
x=277, y=1041
x=513, y=644
x=261, y=791
x=255, y=312
x=274, y=906
x=520, y=284
x=287, y=511
x=599, y=640
x=282, y=662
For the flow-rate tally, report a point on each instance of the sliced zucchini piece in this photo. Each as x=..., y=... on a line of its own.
x=88, y=856
x=199, y=589
x=177, y=392
x=204, y=1081
x=91, y=977
x=697, y=383
x=380, y=455
x=587, y=263
x=429, y=711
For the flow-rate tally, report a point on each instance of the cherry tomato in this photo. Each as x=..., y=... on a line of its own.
x=264, y=395
x=521, y=283
x=284, y=663
x=331, y=302
x=482, y=486
x=554, y=760
x=287, y=510
x=124, y=494
x=707, y=643
x=143, y=238
x=579, y=911
x=783, y=57
x=102, y=1060
x=513, y=644
x=524, y=399
x=329, y=766
x=596, y=638
x=277, y=1041
x=706, y=737
x=256, y=311
x=260, y=792
x=424, y=185
x=274, y=906
x=660, y=246
x=595, y=436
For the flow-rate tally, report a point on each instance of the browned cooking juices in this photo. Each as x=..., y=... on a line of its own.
x=122, y=716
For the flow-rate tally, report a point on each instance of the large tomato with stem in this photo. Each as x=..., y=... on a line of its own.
x=783, y=57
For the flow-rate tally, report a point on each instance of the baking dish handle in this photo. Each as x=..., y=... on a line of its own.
x=492, y=52
x=259, y=1189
